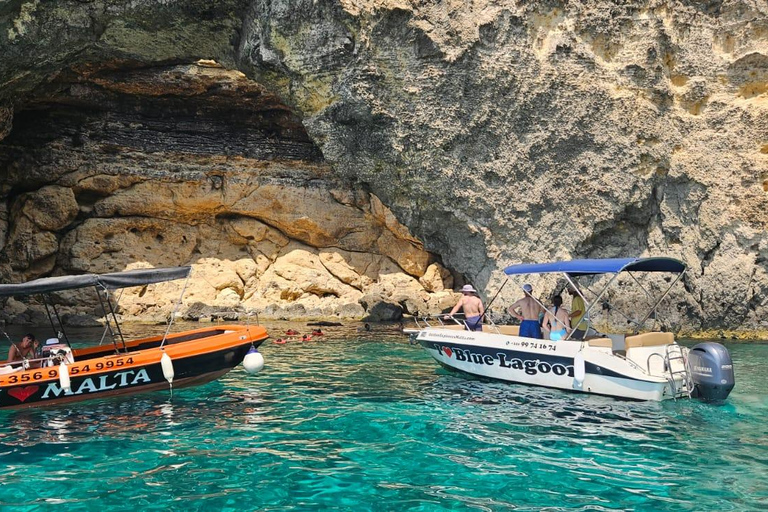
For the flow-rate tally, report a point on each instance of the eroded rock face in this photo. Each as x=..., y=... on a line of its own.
x=504, y=132
x=195, y=164
x=490, y=132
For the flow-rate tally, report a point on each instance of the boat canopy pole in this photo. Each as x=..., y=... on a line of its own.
x=13, y=343
x=597, y=299
x=653, y=308
x=108, y=326
x=175, y=309
x=60, y=332
x=485, y=310
x=114, y=317
x=647, y=293
x=616, y=309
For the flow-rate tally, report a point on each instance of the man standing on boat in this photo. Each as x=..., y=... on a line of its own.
x=577, y=314
x=528, y=315
x=472, y=307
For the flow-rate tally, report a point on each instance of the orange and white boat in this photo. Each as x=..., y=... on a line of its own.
x=61, y=373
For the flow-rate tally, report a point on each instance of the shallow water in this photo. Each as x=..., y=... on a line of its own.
x=365, y=421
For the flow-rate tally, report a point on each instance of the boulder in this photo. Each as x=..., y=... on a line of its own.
x=378, y=309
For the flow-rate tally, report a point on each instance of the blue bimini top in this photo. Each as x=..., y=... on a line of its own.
x=599, y=266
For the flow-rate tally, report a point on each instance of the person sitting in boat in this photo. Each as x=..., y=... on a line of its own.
x=557, y=320
x=472, y=307
x=27, y=349
x=528, y=314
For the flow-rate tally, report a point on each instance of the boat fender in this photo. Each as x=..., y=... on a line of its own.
x=167, y=365
x=579, y=370
x=253, y=361
x=64, y=381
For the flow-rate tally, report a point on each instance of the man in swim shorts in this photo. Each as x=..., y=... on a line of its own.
x=528, y=314
x=472, y=306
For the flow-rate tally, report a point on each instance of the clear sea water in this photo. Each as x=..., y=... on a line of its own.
x=365, y=421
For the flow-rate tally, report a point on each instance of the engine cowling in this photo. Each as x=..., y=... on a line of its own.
x=711, y=371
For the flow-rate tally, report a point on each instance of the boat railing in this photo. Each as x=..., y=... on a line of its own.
x=457, y=319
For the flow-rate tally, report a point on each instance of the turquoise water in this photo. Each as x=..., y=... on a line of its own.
x=365, y=421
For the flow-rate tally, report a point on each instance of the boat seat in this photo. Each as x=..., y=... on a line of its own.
x=6, y=369
x=600, y=342
x=649, y=339
x=455, y=327
x=509, y=330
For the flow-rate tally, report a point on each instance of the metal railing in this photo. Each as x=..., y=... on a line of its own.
x=457, y=319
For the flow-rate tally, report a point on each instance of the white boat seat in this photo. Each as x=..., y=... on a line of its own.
x=4, y=370
x=509, y=330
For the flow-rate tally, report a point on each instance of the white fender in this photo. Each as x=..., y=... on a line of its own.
x=64, y=381
x=253, y=361
x=167, y=365
x=579, y=370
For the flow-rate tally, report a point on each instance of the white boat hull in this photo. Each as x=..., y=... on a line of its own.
x=544, y=363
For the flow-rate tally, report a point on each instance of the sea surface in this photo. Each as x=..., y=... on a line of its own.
x=365, y=421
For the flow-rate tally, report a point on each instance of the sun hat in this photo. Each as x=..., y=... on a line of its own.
x=527, y=288
x=467, y=288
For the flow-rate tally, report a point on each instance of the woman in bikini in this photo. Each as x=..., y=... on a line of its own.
x=557, y=320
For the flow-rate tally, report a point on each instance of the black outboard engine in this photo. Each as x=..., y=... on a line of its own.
x=711, y=371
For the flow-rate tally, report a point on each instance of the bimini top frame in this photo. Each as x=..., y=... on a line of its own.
x=591, y=267
x=111, y=281
x=578, y=268
x=103, y=283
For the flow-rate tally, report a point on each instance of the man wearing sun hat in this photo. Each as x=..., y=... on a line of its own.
x=472, y=306
x=528, y=315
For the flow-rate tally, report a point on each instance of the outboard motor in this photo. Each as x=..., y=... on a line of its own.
x=711, y=371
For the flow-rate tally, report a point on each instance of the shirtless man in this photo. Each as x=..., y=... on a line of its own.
x=528, y=315
x=472, y=307
x=24, y=350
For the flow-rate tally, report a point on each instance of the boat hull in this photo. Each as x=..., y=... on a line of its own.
x=542, y=363
x=198, y=357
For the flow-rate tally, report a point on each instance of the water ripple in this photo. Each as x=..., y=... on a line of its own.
x=353, y=422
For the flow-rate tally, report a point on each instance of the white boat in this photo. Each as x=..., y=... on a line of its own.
x=640, y=366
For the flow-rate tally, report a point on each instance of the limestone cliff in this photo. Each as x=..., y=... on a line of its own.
x=345, y=147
